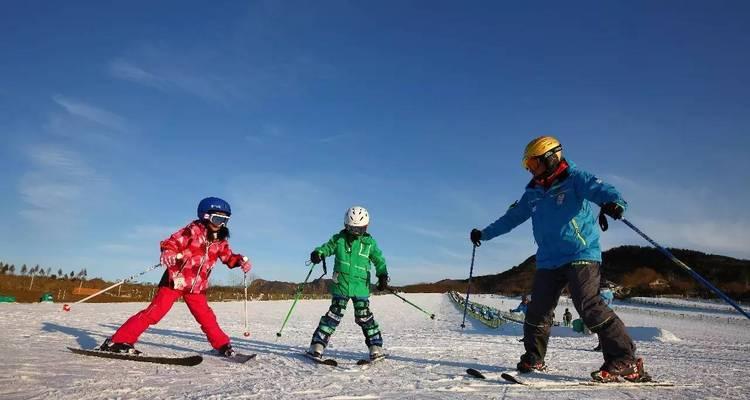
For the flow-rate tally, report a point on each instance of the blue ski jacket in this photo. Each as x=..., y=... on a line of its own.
x=521, y=308
x=607, y=296
x=564, y=224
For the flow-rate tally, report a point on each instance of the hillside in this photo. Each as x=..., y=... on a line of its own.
x=641, y=271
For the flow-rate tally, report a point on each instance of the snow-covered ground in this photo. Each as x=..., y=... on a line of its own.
x=711, y=352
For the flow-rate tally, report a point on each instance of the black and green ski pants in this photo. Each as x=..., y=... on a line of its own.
x=362, y=316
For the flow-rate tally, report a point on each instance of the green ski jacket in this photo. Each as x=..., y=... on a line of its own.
x=352, y=266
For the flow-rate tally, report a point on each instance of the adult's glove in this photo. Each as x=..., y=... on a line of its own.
x=238, y=260
x=476, y=237
x=315, y=257
x=383, y=282
x=614, y=210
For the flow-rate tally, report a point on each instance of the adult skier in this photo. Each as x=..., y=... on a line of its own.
x=522, y=306
x=568, y=318
x=189, y=256
x=355, y=250
x=559, y=199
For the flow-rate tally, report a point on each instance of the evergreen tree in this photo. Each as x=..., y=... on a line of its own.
x=72, y=274
x=13, y=269
x=60, y=273
x=24, y=270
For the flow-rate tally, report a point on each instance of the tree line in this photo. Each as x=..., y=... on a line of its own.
x=10, y=269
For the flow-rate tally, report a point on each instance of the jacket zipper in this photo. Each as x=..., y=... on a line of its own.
x=203, y=261
x=578, y=231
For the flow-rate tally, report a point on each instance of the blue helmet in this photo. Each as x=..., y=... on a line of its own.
x=213, y=204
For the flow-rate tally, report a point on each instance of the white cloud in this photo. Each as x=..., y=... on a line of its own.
x=684, y=217
x=170, y=77
x=86, y=111
x=124, y=70
x=54, y=190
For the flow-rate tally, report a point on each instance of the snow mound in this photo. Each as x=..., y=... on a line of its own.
x=652, y=334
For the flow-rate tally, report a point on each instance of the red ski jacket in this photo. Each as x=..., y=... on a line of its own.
x=190, y=274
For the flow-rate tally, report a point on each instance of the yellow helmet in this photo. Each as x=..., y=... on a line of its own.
x=543, y=146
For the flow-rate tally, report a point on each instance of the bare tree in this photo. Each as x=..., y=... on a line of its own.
x=49, y=271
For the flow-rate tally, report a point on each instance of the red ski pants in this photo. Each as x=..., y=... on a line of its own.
x=160, y=305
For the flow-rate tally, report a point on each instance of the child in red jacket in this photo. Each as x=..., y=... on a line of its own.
x=189, y=256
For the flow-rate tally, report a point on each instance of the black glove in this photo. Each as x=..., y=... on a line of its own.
x=614, y=210
x=315, y=257
x=476, y=237
x=382, y=282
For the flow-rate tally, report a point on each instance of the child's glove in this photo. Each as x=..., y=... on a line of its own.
x=238, y=260
x=170, y=259
x=383, y=282
x=315, y=257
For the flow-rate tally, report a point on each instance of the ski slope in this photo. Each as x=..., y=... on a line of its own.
x=710, y=354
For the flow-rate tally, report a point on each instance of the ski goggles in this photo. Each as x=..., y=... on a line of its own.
x=533, y=163
x=356, y=230
x=218, y=219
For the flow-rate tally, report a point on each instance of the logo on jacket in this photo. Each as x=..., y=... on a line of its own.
x=560, y=198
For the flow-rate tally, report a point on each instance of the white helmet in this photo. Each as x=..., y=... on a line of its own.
x=356, y=216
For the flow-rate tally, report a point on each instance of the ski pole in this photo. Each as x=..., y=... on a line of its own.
x=468, y=285
x=297, y=296
x=432, y=316
x=244, y=283
x=684, y=266
x=66, y=307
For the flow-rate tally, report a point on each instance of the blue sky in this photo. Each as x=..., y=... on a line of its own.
x=117, y=119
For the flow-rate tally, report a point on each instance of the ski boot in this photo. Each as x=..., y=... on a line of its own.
x=376, y=353
x=529, y=364
x=630, y=371
x=316, y=350
x=117, y=347
x=227, y=351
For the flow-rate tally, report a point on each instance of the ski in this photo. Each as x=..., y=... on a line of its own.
x=320, y=360
x=510, y=378
x=515, y=380
x=475, y=373
x=240, y=358
x=175, y=360
x=371, y=361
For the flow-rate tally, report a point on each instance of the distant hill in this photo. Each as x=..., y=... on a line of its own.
x=642, y=271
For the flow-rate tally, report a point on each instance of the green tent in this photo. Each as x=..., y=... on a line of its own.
x=7, y=299
x=46, y=298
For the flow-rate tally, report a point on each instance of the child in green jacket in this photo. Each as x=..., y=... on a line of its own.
x=354, y=250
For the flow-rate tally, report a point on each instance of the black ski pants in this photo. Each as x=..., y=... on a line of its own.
x=582, y=278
